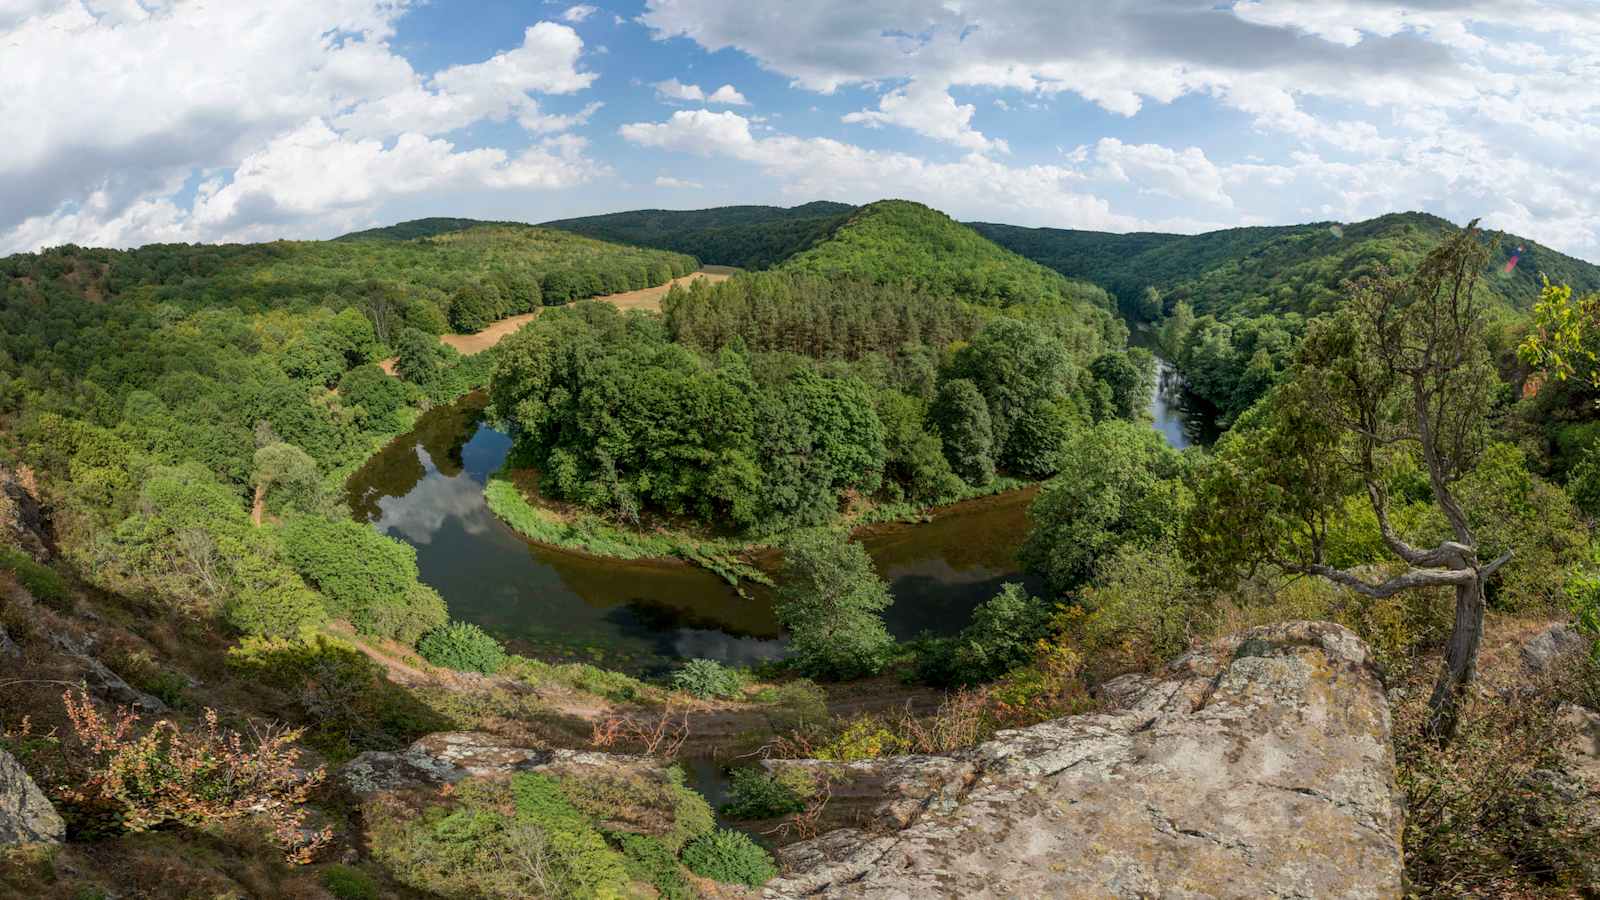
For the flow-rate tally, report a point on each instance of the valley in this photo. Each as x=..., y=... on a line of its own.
x=449, y=493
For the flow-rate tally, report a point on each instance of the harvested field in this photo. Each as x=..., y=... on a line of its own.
x=648, y=299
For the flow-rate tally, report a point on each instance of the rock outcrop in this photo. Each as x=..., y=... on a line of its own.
x=1261, y=767
x=100, y=679
x=449, y=757
x=24, y=521
x=1544, y=651
x=26, y=815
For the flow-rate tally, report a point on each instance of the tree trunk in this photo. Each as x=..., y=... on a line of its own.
x=1460, y=661
x=260, y=505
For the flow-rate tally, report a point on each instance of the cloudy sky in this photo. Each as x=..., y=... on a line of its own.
x=131, y=121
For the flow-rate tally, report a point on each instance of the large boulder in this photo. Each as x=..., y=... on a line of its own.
x=1544, y=651
x=26, y=815
x=448, y=757
x=1261, y=767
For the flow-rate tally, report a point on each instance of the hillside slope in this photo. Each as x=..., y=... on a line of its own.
x=897, y=241
x=750, y=237
x=297, y=274
x=1297, y=268
x=417, y=228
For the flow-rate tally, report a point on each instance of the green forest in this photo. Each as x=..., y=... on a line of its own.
x=749, y=237
x=175, y=392
x=905, y=360
x=177, y=423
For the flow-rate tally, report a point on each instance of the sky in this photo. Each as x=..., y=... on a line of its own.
x=136, y=121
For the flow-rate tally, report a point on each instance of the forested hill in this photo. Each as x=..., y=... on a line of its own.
x=418, y=228
x=1297, y=268
x=750, y=237
x=897, y=241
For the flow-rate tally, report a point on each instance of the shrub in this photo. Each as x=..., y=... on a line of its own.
x=730, y=856
x=1489, y=814
x=421, y=611
x=864, y=737
x=691, y=814
x=756, y=795
x=349, y=883
x=193, y=778
x=830, y=599
x=648, y=860
x=344, y=696
x=464, y=647
x=707, y=678
x=798, y=706
x=1002, y=636
x=43, y=582
x=500, y=839
x=358, y=570
x=278, y=613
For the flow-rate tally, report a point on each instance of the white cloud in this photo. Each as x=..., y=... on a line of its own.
x=975, y=186
x=495, y=89
x=726, y=94
x=579, y=13
x=673, y=90
x=126, y=103
x=667, y=181
x=1447, y=102
x=1179, y=174
x=928, y=109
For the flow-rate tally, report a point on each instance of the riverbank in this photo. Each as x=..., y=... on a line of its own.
x=507, y=494
x=512, y=495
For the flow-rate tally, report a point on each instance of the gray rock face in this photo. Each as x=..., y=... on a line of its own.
x=23, y=520
x=1259, y=768
x=448, y=757
x=26, y=816
x=1545, y=649
x=101, y=679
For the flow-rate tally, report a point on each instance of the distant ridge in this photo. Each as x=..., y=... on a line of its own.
x=750, y=237
x=418, y=228
x=1293, y=268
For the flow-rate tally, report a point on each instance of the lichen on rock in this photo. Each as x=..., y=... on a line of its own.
x=1263, y=773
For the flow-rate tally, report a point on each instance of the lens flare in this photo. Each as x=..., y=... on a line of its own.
x=1336, y=230
x=1512, y=262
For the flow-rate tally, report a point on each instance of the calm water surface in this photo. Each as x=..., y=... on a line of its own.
x=426, y=488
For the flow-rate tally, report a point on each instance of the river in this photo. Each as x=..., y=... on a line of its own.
x=426, y=488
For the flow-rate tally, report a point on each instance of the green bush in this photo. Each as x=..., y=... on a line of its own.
x=691, y=814
x=42, y=582
x=341, y=695
x=707, y=678
x=367, y=578
x=799, y=705
x=648, y=860
x=500, y=839
x=730, y=856
x=349, y=883
x=1002, y=636
x=464, y=647
x=756, y=795
x=279, y=612
x=422, y=611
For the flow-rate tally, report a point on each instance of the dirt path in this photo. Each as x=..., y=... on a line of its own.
x=647, y=299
